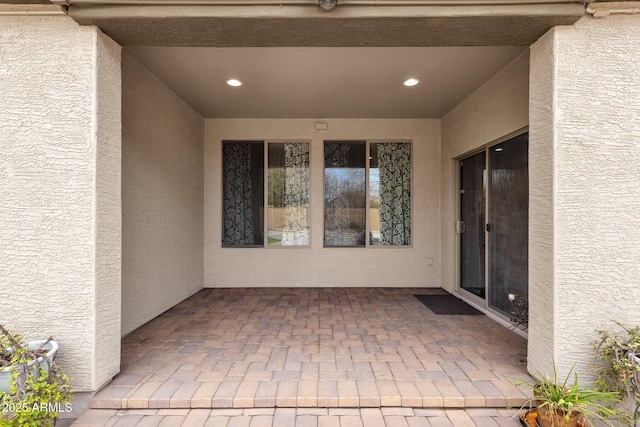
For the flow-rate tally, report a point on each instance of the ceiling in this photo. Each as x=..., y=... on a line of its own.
x=324, y=82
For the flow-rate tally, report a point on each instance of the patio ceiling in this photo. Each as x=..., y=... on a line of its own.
x=298, y=62
x=324, y=82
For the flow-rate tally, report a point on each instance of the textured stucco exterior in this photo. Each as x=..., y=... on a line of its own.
x=107, y=209
x=541, y=208
x=585, y=176
x=496, y=109
x=60, y=191
x=162, y=197
x=316, y=265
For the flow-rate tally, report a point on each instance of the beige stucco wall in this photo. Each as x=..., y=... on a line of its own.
x=496, y=109
x=585, y=176
x=59, y=165
x=541, y=194
x=319, y=266
x=162, y=197
x=107, y=209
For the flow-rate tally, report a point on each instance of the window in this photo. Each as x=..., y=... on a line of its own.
x=354, y=187
x=243, y=193
x=287, y=198
x=344, y=193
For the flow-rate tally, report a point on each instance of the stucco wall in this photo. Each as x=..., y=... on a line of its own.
x=541, y=210
x=496, y=109
x=107, y=209
x=162, y=197
x=585, y=119
x=319, y=266
x=59, y=164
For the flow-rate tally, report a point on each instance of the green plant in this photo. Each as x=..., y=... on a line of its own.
x=37, y=395
x=615, y=370
x=570, y=399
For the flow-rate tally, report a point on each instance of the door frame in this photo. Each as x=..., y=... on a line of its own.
x=472, y=299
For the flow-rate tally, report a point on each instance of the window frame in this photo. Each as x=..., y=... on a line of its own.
x=368, y=143
x=265, y=203
x=266, y=195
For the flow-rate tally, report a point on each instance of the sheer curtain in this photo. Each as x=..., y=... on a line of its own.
x=394, y=163
x=295, y=229
x=344, y=194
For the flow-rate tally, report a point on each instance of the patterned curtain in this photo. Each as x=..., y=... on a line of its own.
x=242, y=193
x=296, y=194
x=394, y=162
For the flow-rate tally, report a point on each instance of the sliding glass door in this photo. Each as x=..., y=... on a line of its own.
x=508, y=222
x=473, y=190
x=493, y=224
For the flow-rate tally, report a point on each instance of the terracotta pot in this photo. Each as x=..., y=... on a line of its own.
x=547, y=418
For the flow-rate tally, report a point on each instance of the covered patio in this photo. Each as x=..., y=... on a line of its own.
x=316, y=348
x=114, y=204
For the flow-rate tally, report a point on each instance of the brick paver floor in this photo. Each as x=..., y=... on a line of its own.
x=315, y=349
x=300, y=417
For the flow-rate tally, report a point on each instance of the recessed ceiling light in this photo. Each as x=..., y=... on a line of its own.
x=411, y=82
x=234, y=82
x=327, y=5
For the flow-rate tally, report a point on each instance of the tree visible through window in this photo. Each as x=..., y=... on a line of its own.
x=344, y=193
x=387, y=175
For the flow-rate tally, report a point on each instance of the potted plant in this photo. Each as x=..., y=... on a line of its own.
x=617, y=362
x=560, y=403
x=37, y=390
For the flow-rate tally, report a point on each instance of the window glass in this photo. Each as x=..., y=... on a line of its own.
x=288, y=194
x=243, y=199
x=383, y=184
x=390, y=193
x=243, y=194
x=344, y=193
x=351, y=185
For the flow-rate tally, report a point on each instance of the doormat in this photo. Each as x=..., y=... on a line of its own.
x=447, y=305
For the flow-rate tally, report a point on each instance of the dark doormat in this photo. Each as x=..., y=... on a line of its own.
x=448, y=305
